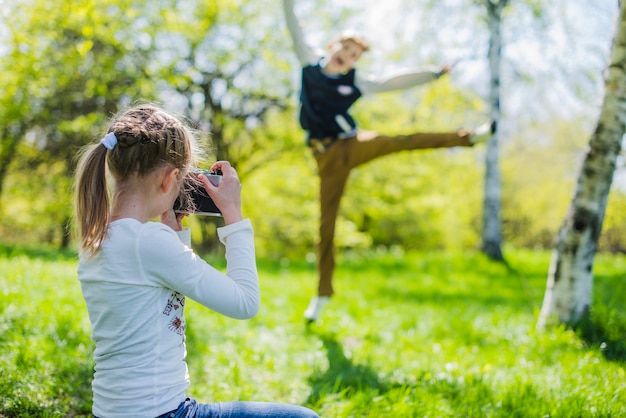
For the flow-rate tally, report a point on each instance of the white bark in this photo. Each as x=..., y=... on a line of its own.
x=569, y=287
x=492, y=224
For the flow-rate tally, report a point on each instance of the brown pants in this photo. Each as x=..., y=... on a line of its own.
x=334, y=166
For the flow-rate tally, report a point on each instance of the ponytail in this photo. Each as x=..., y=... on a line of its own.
x=92, y=202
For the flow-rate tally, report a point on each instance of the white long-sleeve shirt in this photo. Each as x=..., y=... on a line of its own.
x=367, y=83
x=135, y=290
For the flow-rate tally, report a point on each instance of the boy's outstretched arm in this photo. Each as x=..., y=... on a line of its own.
x=305, y=54
x=400, y=81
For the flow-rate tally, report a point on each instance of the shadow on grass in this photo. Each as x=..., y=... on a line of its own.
x=343, y=376
x=607, y=334
x=457, y=281
x=429, y=394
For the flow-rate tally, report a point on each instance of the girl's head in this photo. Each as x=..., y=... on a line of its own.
x=144, y=139
x=148, y=138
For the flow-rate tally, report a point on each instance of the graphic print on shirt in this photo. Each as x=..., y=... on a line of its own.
x=175, y=305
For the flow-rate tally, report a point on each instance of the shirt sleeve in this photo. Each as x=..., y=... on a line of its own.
x=400, y=81
x=166, y=261
x=306, y=55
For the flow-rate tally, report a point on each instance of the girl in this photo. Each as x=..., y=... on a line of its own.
x=135, y=273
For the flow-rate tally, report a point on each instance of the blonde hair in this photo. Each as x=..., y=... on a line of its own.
x=148, y=138
x=354, y=36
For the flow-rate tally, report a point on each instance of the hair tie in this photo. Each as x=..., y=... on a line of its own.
x=109, y=141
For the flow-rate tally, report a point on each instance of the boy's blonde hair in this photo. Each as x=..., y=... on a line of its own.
x=354, y=36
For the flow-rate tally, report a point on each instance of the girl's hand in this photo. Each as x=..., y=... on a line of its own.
x=227, y=196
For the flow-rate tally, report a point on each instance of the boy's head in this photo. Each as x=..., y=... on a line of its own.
x=345, y=51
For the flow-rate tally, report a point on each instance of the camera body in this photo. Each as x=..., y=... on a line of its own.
x=201, y=201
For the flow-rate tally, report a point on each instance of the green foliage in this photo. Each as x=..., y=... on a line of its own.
x=281, y=199
x=416, y=200
x=39, y=192
x=613, y=237
x=407, y=335
x=72, y=64
x=539, y=169
x=224, y=64
x=539, y=172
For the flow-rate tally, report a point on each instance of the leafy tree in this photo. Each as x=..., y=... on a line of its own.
x=85, y=60
x=539, y=169
x=71, y=65
x=222, y=63
x=224, y=67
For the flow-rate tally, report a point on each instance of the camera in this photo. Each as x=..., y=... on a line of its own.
x=194, y=199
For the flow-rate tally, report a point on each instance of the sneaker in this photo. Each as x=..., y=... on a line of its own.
x=315, y=307
x=482, y=133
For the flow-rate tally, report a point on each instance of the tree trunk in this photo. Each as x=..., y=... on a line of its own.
x=492, y=224
x=570, y=279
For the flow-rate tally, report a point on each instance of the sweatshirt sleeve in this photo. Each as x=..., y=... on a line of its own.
x=399, y=81
x=306, y=55
x=166, y=261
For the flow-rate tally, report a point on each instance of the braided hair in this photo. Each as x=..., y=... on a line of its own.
x=147, y=139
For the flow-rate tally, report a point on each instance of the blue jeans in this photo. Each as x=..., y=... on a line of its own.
x=191, y=409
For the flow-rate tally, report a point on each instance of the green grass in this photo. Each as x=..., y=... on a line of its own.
x=407, y=335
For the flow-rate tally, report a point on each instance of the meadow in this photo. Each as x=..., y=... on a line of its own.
x=420, y=334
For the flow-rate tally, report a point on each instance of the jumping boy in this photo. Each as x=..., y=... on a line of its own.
x=330, y=85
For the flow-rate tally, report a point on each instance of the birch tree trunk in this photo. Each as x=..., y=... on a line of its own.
x=570, y=278
x=492, y=224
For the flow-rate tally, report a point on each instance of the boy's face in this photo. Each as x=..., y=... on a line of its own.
x=343, y=56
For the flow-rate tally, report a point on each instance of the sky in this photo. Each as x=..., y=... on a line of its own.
x=575, y=35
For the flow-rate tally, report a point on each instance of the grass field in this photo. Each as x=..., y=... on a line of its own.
x=407, y=335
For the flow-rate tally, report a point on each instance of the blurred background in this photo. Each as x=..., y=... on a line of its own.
x=229, y=67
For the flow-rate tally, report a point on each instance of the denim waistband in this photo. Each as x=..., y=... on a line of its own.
x=185, y=409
